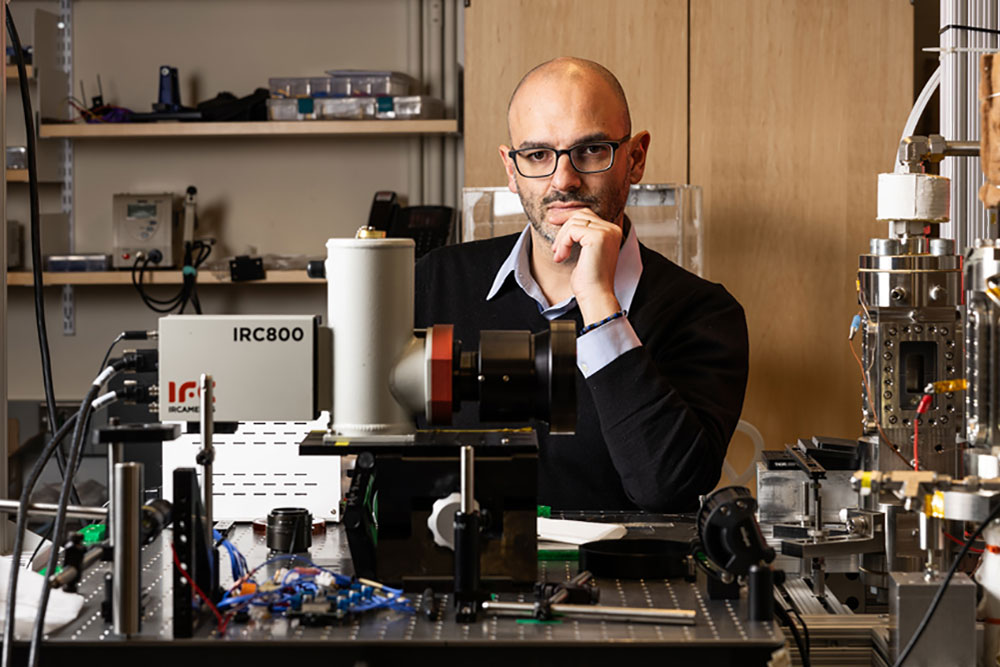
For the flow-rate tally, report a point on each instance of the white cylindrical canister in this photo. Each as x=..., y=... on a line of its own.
x=370, y=309
x=917, y=197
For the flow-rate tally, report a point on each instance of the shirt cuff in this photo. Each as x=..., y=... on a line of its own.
x=599, y=347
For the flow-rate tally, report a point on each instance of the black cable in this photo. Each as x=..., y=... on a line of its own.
x=783, y=616
x=925, y=621
x=76, y=446
x=22, y=522
x=45, y=534
x=195, y=254
x=107, y=355
x=805, y=629
x=970, y=28
x=36, y=243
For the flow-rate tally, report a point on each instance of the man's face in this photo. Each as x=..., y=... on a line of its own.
x=561, y=113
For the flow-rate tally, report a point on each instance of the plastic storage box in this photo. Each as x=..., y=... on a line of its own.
x=366, y=83
x=345, y=108
x=411, y=107
x=303, y=108
x=301, y=86
x=667, y=218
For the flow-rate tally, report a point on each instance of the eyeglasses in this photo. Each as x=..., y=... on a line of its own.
x=591, y=157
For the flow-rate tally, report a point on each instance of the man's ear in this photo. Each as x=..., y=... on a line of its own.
x=637, y=156
x=508, y=165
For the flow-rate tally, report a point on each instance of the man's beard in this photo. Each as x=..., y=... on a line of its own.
x=607, y=204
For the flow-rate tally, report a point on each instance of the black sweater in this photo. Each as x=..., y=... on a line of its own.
x=654, y=424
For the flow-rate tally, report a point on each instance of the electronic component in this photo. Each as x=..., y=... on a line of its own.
x=248, y=356
x=142, y=224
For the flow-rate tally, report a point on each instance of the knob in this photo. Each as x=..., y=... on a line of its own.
x=316, y=269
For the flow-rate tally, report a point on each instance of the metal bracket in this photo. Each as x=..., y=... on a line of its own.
x=68, y=310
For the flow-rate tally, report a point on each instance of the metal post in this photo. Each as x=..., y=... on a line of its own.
x=126, y=612
x=467, y=543
x=207, y=455
x=115, y=456
x=468, y=480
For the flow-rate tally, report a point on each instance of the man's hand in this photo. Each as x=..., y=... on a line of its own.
x=593, y=279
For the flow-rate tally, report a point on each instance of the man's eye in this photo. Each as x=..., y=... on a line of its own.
x=593, y=149
x=537, y=156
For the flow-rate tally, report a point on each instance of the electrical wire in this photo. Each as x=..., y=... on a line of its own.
x=805, y=629
x=21, y=527
x=195, y=254
x=871, y=405
x=107, y=355
x=45, y=534
x=783, y=616
x=76, y=447
x=223, y=622
x=960, y=542
x=925, y=403
x=925, y=621
x=36, y=243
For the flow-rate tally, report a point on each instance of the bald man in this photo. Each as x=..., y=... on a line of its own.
x=661, y=353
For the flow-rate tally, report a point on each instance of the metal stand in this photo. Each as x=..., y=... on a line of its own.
x=125, y=517
x=467, y=595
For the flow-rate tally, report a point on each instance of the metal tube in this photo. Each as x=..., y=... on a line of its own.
x=962, y=148
x=49, y=509
x=597, y=612
x=468, y=479
x=207, y=447
x=126, y=611
x=115, y=455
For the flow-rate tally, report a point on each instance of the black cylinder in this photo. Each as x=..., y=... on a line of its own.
x=466, y=557
x=760, y=594
x=289, y=530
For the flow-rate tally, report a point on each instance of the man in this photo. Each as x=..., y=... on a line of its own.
x=662, y=354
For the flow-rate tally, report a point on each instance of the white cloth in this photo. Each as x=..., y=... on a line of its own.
x=63, y=607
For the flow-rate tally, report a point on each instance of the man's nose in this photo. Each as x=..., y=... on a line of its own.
x=565, y=178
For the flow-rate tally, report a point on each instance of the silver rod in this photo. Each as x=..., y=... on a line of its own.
x=207, y=447
x=49, y=509
x=468, y=480
x=597, y=612
x=125, y=609
x=962, y=148
x=115, y=455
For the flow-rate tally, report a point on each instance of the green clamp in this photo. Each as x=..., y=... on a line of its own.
x=94, y=533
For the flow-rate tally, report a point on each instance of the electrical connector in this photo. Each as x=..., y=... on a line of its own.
x=139, y=335
x=855, y=325
x=141, y=361
x=133, y=392
x=946, y=386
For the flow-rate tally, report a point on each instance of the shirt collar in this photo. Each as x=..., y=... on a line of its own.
x=627, y=273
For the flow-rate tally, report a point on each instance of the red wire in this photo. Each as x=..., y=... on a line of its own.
x=958, y=541
x=925, y=403
x=223, y=622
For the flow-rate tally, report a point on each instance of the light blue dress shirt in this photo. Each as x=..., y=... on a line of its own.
x=599, y=347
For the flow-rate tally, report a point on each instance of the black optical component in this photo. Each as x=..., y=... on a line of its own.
x=289, y=530
x=729, y=531
x=517, y=375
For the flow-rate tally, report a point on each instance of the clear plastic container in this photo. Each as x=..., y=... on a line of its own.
x=667, y=218
x=303, y=108
x=411, y=107
x=367, y=83
x=301, y=86
x=345, y=108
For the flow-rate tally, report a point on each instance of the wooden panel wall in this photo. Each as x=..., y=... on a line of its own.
x=644, y=42
x=795, y=106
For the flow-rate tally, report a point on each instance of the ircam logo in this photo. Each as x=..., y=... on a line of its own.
x=181, y=393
